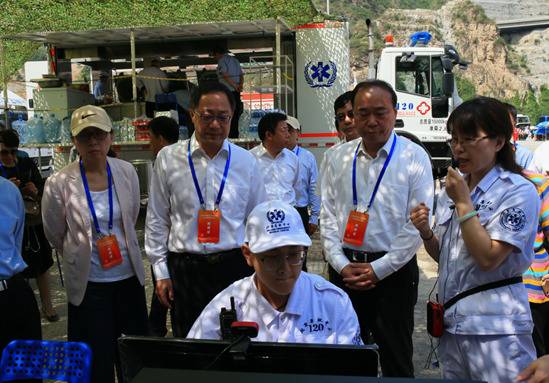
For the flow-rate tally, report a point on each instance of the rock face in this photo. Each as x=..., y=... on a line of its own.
x=476, y=38
x=534, y=46
x=500, y=10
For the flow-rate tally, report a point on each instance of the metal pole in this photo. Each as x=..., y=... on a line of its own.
x=134, y=79
x=371, y=54
x=327, y=7
x=277, y=57
x=4, y=82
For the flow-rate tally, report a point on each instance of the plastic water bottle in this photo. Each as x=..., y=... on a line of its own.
x=52, y=127
x=20, y=127
x=36, y=130
x=183, y=132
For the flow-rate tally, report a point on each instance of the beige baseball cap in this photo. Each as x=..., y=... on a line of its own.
x=90, y=116
x=293, y=122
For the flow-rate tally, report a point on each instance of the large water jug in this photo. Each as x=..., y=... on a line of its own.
x=20, y=127
x=65, y=133
x=36, y=130
x=52, y=127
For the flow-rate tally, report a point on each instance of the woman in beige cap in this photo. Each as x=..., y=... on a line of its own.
x=89, y=209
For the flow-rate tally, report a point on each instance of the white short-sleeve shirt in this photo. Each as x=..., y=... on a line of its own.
x=508, y=207
x=317, y=312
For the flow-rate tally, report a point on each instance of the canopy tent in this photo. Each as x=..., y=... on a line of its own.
x=14, y=101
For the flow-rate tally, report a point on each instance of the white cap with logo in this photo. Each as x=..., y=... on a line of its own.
x=90, y=116
x=275, y=224
x=293, y=122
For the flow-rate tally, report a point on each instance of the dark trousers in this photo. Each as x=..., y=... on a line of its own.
x=388, y=312
x=197, y=279
x=158, y=314
x=540, y=315
x=233, y=133
x=304, y=213
x=150, y=107
x=107, y=311
x=19, y=315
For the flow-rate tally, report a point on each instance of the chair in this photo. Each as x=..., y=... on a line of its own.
x=54, y=360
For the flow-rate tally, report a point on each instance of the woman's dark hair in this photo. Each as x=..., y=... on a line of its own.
x=9, y=138
x=492, y=117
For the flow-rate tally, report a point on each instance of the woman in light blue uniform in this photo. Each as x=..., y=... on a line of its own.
x=485, y=225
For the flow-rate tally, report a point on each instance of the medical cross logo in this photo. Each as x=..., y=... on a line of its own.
x=320, y=75
x=276, y=216
x=423, y=108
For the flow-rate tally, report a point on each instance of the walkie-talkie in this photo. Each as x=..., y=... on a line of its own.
x=226, y=319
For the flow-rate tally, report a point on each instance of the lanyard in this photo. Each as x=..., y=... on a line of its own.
x=195, y=180
x=387, y=160
x=297, y=151
x=90, y=201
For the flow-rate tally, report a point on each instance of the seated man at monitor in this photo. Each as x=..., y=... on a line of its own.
x=289, y=305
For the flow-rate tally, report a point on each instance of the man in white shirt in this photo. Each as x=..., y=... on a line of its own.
x=345, y=126
x=155, y=82
x=279, y=166
x=287, y=304
x=230, y=74
x=371, y=185
x=540, y=161
x=202, y=190
x=306, y=196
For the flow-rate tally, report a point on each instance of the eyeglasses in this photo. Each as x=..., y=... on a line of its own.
x=209, y=118
x=87, y=136
x=5, y=152
x=273, y=260
x=340, y=117
x=467, y=142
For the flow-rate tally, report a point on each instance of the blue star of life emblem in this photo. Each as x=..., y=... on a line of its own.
x=320, y=75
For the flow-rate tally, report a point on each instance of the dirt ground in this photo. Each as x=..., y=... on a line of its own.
x=58, y=330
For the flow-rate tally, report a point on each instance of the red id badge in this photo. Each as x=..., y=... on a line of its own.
x=208, y=226
x=109, y=252
x=356, y=228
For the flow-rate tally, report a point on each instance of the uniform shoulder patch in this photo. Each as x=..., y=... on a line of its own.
x=323, y=285
x=513, y=219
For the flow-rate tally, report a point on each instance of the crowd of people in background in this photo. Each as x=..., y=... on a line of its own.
x=226, y=222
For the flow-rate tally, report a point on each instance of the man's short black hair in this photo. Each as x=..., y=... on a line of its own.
x=342, y=100
x=511, y=110
x=368, y=84
x=268, y=123
x=208, y=88
x=218, y=48
x=9, y=138
x=166, y=128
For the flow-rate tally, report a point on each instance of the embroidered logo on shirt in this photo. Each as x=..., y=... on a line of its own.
x=312, y=326
x=513, y=219
x=276, y=217
x=357, y=340
x=482, y=205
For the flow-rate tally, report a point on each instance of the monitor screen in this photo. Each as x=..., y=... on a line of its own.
x=137, y=353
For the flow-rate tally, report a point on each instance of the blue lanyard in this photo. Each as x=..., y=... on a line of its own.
x=4, y=172
x=90, y=201
x=297, y=151
x=387, y=160
x=195, y=180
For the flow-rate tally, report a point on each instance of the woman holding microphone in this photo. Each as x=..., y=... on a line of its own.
x=89, y=209
x=485, y=225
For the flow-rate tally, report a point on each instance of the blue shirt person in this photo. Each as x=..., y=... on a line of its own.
x=20, y=315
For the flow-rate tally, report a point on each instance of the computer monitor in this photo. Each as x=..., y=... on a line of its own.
x=139, y=353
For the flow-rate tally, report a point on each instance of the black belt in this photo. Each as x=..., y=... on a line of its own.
x=211, y=258
x=362, y=256
x=6, y=283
